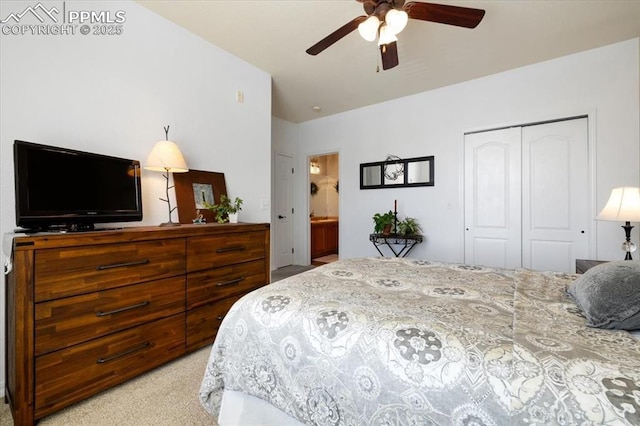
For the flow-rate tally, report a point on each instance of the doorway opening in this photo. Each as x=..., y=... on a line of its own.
x=324, y=218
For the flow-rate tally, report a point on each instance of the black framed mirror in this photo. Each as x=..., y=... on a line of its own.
x=395, y=172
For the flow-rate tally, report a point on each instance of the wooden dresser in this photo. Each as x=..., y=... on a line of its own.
x=87, y=311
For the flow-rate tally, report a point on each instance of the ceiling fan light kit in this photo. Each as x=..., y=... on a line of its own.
x=369, y=28
x=396, y=20
x=386, y=35
x=387, y=18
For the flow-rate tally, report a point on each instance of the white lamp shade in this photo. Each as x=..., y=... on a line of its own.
x=386, y=36
x=623, y=205
x=368, y=29
x=396, y=20
x=166, y=156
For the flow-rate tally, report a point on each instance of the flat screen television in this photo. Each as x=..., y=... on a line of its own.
x=64, y=189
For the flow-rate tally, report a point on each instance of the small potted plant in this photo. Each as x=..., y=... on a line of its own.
x=383, y=222
x=409, y=226
x=226, y=209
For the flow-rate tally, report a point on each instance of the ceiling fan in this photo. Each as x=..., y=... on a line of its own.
x=384, y=19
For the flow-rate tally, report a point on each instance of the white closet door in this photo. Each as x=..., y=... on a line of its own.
x=492, y=198
x=555, y=195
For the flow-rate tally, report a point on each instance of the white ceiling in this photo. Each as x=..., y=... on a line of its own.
x=273, y=36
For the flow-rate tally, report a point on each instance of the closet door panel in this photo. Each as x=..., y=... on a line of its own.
x=555, y=195
x=492, y=194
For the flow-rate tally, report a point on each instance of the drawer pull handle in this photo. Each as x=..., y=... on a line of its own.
x=230, y=282
x=121, y=354
x=220, y=317
x=126, y=308
x=226, y=249
x=122, y=265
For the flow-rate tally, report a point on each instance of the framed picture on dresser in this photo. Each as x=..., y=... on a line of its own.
x=194, y=189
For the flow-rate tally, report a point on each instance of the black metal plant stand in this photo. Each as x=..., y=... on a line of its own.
x=400, y=245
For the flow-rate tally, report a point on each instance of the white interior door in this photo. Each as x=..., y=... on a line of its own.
x=555, y=193
x=283, y=221
x=492, y=198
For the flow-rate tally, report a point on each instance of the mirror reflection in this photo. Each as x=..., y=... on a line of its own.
x=418, y=172
x=371, y=175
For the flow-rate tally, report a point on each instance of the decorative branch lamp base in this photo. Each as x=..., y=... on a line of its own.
x=168, y=201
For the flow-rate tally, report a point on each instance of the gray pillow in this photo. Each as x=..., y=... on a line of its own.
x=609, y=295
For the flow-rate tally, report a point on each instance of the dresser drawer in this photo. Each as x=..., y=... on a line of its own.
x=222, y=250
x=216, y=284
x=203, y=322
x=76, y=270
x=72, y=374
x=65, y=322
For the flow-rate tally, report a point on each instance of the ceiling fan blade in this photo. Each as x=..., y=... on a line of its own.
x=335, y=36
x=389, y=54
x=444, y=14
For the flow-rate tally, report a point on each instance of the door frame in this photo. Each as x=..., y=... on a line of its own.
x=591, y=116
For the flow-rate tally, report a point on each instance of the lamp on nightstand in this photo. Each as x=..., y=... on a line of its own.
x=623, y=206
x=166, y=157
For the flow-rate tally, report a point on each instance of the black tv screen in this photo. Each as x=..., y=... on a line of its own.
x=70, y=189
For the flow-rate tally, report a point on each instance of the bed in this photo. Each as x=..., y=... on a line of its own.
x=375, y=341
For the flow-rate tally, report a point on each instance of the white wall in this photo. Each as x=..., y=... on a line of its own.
x=603, y=83
x=114, y=94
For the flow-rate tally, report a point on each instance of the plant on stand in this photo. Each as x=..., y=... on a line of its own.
x=409, y=226
x=226, y=210
x=383, y=222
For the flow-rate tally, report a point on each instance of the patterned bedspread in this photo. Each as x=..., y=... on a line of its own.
x=386, y=341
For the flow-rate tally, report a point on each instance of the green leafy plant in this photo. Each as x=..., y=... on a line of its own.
x=383, y=222
x=409, y=226
x=224, y=207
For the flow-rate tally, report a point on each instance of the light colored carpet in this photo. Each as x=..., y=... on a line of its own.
x=166, y=396
x=287, y=271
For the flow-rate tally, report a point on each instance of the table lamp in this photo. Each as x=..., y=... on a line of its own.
x=623, y=206
x=166, y=157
